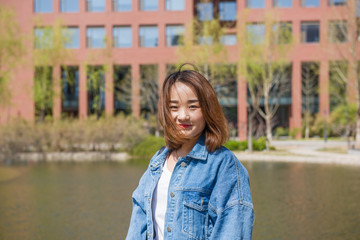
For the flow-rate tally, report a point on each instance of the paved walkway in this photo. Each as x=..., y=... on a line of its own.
x=304, y=151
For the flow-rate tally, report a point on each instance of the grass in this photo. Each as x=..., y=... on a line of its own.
x=8, y=174
x=334, y=150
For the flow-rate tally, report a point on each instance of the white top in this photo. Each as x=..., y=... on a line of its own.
x=159, y=202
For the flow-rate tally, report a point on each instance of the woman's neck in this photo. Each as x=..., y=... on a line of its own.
x=186, y=148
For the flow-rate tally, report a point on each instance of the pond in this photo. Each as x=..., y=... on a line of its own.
x=93, y=201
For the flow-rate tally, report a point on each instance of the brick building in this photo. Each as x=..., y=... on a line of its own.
x=144, y=36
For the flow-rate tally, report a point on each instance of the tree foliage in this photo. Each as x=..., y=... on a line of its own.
x=263, y=62
x=11, y=50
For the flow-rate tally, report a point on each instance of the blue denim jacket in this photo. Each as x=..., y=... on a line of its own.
x=209, y=197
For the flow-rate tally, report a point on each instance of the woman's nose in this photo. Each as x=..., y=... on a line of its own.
x=183, y=114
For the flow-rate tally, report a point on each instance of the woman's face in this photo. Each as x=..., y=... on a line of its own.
x=185, y=110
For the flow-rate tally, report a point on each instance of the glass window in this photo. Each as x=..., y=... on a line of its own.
x=174, y=35
x=43, y=6
x=96, y=89
x=70, y=36
x=310, y=32
x=43, y=37
x=228, y=39
x=95, y=5
x=70, y=90
x=122, y=37
x=208, y=40
x=337, y=2
x=122, y=5
x=205, y=11
x=255, y=33
x=310, y=3
x=69, y=5
x=255, y=3
x=227, y=11
x=175, y=5
x=337, y=31
x=149, y=89
x=148, y=5
x=95, y=37
x=122, y=89
x=283, y=3
x=148, y=36
x=282, y=32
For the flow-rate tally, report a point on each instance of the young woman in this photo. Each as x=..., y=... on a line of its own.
x=194, y=188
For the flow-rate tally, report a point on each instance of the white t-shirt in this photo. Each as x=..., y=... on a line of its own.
x=159, y=202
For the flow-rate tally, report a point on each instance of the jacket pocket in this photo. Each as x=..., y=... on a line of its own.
x=195, y=214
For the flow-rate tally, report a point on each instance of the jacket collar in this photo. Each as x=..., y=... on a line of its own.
x=198, y=152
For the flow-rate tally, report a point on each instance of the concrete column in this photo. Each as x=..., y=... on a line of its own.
x=57, y=96
x=109, y=91
x=324, y=103
x=242, y=107
x=351, y=88
x=83, y=104
x=161, y=73
x=296, y=106
x=135, y=89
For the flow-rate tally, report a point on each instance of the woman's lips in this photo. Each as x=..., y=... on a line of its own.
x=185, y=125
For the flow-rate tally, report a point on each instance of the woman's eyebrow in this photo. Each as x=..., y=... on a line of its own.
x=193, y=101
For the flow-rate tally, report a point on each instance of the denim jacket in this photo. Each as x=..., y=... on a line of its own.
x=208, y=198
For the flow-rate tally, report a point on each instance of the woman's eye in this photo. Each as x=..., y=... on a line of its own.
x=193, y=107
x=173, y=107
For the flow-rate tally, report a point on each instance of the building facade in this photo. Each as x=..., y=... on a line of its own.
x=144, y=37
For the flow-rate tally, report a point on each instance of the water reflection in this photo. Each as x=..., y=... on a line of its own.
x=93, y=201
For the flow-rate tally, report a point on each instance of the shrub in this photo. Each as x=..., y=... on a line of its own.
x=258, y=145
x=232, y=145
x=148, y=147
x=281, y=132
x=294, y=132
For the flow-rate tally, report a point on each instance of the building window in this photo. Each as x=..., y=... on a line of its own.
x=43, y=37
x=122, y=89
x=70, y=36
x=95, y=37
x=95, y=5
x=282, y=32
x=310, y=3
x=337, y=2
x=69, y=5
x=255, y=3
x=337, y=31
x=282, y=3
x=43, y=6
x=148, y=36
x=310, y=32
x=122, y=5
x=43, y=92
x=148, y=5
x=175, y=5
x=149, y=89
x=122, y=37
x=255, y=33
x=96, y=90
x=228, y=39
x=70, y=90
x=174, y=35
x=227, y=11
x=208, y=40
x=205, y=11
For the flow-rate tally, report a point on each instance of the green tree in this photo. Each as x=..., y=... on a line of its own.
x=11, y=50
x=263, y=49
x=202, y=46
x=49, y=54
x=310, y=75
x=344, y=38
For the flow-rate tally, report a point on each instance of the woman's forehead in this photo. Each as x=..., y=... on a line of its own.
x=182, y=91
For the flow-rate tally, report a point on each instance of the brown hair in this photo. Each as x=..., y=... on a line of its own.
x=216, y=129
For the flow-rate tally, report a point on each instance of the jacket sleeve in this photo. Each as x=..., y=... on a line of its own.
x=138, y=226
x=231, y=210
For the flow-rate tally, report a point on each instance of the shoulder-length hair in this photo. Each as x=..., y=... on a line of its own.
x=216, y=129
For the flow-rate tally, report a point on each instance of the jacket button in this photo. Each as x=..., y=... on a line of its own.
x=169, y=229
x=172, y=194
x=183, y=164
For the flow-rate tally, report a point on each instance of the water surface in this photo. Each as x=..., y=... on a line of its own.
x=93, y=201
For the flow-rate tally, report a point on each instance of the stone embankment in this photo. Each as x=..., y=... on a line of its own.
x=304, y=151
